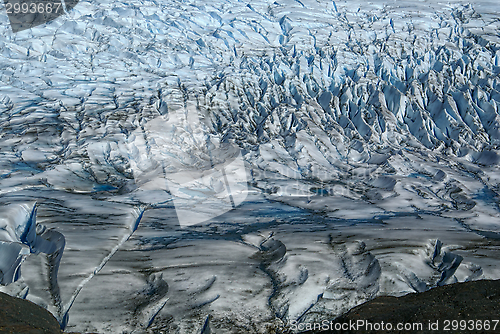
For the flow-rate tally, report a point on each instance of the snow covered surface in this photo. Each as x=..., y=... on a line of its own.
x=369, y=133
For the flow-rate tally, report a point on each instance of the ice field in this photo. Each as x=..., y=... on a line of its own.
x=233, y=166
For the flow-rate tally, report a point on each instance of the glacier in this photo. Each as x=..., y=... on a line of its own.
x=369, y=132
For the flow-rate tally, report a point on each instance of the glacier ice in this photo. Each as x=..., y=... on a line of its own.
x=369, y=131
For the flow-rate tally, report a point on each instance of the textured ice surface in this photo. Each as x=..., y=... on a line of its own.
x=370, y=132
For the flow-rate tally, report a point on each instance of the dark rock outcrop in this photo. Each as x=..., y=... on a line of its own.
x=19, y=316
x=477, y=300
